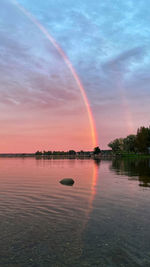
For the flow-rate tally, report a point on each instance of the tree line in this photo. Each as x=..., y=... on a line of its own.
x=96, y=151
x=49, y=153
x=139, y=143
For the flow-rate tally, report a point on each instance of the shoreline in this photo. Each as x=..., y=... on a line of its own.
x=59, y=156
x=67, y=156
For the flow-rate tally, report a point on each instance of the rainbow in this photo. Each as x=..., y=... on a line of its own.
x=69, y=65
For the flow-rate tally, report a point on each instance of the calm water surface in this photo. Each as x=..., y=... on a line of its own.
x=102, y=220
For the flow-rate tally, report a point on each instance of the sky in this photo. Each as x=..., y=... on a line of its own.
x=41, y=104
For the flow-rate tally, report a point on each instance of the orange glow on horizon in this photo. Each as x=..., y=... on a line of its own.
x=70, y=67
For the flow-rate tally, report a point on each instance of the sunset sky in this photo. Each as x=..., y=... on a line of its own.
x=41, y=104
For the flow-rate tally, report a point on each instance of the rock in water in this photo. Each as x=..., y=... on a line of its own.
x=67, y=181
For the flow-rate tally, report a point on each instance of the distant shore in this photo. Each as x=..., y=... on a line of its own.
x=11, y=155
x=77, y=156
x=67, y=156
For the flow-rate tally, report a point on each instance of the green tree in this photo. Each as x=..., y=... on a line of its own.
x=116, y=145
x=129, y=143
x=97, y=150
x=38, y=153
x=47, y=153
x=143, y=139
x=72, y=152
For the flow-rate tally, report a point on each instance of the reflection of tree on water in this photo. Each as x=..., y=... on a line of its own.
x=97, y=162
x=133, y=168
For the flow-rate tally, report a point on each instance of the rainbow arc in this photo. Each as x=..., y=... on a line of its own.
x=69, y=65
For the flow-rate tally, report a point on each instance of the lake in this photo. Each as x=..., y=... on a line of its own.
x=102, y=220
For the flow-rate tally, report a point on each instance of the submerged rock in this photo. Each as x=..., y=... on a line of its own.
x=67, y=181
